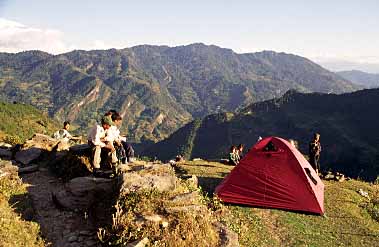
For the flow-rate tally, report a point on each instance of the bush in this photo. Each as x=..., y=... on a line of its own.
x=12, y=139
x=373, y=206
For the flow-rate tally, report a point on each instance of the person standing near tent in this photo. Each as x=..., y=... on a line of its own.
x=233, y=159
x=314, y=152
x=239, y=152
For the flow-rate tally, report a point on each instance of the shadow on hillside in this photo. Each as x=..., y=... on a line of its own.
x=22, y=205
x=209, y=184
x=203, y=165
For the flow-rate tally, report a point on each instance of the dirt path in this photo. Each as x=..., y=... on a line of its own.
x=60, y=228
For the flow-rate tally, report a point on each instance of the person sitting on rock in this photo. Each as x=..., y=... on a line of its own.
x=97, y=141
x=63, y=134
x=115, y=137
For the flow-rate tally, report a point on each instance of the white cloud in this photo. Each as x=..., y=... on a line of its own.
x=16, y=37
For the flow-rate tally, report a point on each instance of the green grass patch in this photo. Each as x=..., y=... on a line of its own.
x=19, y=122
x=350, y=219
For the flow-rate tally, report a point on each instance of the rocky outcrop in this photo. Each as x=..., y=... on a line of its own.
x=27, y=156
x=41, y=141
x=82, y=192
x=32, y=149
x=177, y=198
x=156, y=176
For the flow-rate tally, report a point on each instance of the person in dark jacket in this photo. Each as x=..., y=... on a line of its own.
x=314, y=152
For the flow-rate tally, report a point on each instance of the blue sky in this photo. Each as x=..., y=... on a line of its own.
x=344, y=32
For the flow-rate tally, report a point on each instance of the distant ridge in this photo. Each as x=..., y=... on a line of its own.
x=156, y=88
x=348, y=125
x=367, y=80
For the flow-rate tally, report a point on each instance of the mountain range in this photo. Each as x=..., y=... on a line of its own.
x=157, y=89
x=348, y=125
x=367, y=80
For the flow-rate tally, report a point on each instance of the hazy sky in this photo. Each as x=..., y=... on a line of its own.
x=335, y=32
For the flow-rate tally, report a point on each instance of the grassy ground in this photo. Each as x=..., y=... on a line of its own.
x=350, y=220
x=14, y=230
x=19, y=122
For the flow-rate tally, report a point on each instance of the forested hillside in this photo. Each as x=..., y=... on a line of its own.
x=156, y=88
x=348, y=125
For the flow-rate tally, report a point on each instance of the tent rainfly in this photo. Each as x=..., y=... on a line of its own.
x=274, y=174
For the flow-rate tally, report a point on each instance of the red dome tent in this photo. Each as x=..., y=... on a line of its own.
x=274, y=174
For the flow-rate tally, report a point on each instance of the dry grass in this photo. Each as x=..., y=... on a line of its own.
x=14, y=231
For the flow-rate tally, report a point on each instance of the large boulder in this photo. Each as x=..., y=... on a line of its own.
x=82, y=192
x=32, y=149
x=153, y=177
x=28, y=155
x=41, y=141
x=67, y=165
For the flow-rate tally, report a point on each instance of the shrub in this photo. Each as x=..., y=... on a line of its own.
x=12, y=139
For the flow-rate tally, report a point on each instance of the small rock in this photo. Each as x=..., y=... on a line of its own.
x=139, y=243
x=194, y=181
x=190, y=208
x=43, y=169
x=91, y=242
x=124, y=168
x=154, y=218
x=85, y=233
x=187, y=198
x=5, y=153
x=7, y=168
x=172, y=162
x=363, y=193
x=5, y=145
x=164, y=224
x=28, y=169
x=72, y=238
x=228, y=237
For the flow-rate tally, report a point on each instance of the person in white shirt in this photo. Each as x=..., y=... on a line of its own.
x=98, y=140
x=63, y=134
x=116, y=138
